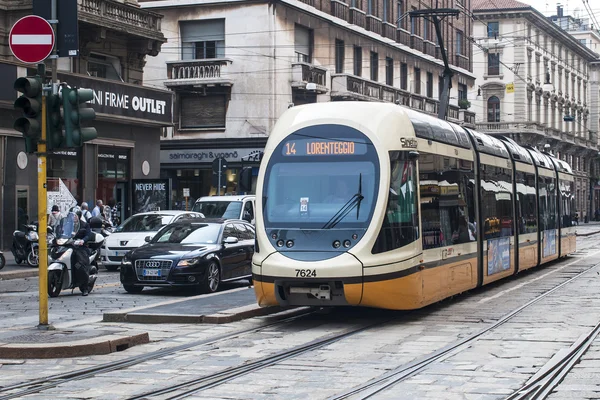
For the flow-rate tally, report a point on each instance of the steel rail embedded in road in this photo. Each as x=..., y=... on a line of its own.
x=406, y=371
x=49, y=382
x=208, y=381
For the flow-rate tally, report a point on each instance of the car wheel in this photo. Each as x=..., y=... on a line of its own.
x=133, y=289
x=111, y=267
x=2, y=261
x=212, y=278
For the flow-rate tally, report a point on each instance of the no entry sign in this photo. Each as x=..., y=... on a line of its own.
x=31, y=39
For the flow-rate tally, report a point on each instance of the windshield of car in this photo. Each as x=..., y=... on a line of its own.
x=145, y=223
x=219, y=209
x=189, y=234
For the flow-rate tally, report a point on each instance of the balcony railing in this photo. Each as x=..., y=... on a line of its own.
x=468, y=118
x=389, y=31
x=118, y=16
x=403, y=37
x=303, y=73
x=193, y=72
x=308, y=2
x=339, y=9
x=374, y=24
x=357, y=17
x=416, y=43
x=429, y=48
x=462, y=62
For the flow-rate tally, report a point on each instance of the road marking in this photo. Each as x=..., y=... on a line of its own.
x=520, y=285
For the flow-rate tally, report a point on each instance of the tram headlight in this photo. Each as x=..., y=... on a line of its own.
x=347, y=243
x=337, y=244
x=289, y=243
x=355, y=236
x=280, y=243
x=273, y=236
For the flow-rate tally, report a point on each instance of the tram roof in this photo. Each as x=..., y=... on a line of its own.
x=488, y=144
x=540, y=159
x=428, y=127
x=517, y=152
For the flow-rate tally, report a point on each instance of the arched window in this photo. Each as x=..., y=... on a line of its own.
x=493, y=109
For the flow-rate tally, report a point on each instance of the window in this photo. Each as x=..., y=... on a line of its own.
x=440, y=86
x=493, y=29
x=357, y=60
x=403, y=76
x=374, y=66
x=429, y=84
x=389, y=71
x=447, y=201
x=414, y=24
x=582, y=42
x=387, y=11
x=417, y=88
x=303, y=44
x=203, y=39
x=339, y=56
x=462, y=91
x=401, y=17
x=199, y=111
x=425, y=29
x=526, y=203
x=493, y=64
x=105, y=67
x=459, y=42
x=370, y=7
x=493, y=109
x=400, y=225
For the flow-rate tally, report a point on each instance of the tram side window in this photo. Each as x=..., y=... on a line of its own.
x=568, y=213
x=401, y=222
x=496, y=201
x=552, y=215
x=526, y=203
x=543, y=203
x=447, y=201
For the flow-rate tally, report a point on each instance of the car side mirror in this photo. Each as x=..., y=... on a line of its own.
x=247, y=217
x=147, y=239
x=230, y=240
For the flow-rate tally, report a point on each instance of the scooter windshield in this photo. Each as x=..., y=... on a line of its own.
x=68, y=226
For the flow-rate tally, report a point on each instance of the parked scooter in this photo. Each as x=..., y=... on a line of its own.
x=61, y=274
x=25, y=246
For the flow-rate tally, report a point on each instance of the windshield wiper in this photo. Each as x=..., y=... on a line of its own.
x=354, y=201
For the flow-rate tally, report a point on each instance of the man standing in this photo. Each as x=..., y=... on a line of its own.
x=85, y=212
x=96, y=210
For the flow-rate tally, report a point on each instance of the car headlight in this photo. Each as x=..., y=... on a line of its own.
x=126, y=260
x=188, y=262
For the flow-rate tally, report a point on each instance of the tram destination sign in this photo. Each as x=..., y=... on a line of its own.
x=322, y=147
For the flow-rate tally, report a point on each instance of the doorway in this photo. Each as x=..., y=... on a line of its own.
x=121, y=201
x=22, y=216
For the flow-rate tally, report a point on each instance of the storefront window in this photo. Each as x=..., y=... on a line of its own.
x=64, y=166
x=113, y=178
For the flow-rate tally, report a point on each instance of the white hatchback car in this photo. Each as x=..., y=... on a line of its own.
x=132, y=233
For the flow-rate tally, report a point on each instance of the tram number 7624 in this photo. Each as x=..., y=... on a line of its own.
x=306, y=273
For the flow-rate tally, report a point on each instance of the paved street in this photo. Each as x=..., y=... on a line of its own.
x=492, y=367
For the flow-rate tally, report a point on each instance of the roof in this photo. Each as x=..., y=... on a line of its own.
x=225, y=198
x=167, y=212
x=497, y=4
x=209, y=221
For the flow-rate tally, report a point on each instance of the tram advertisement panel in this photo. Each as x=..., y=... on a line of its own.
x=549, y=243
x=498, y=255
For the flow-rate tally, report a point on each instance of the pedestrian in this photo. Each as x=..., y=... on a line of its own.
x=54, y=217
x=85, y=211
x=597, y=214
x=96, y=210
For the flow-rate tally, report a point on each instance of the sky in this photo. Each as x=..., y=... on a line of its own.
x=548, y=7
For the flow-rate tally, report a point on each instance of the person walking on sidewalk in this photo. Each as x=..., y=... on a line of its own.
x=96, y=210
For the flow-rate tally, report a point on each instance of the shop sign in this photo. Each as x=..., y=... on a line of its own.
x=116, y=98
x=150, y=195
x=195, y=156
x=62, y=198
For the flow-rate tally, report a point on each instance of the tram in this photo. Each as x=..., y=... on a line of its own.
x=378, y=205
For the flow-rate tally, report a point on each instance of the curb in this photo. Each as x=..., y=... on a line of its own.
x=5, y=276
x=588, y=233
x=78, y=348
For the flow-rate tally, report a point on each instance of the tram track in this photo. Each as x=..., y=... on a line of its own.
x=39, y=385
x=542, y=385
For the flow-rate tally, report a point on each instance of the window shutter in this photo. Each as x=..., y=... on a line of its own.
x=203, y=31
x=199, y=111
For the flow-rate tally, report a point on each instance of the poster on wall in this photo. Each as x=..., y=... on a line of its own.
x=61, y=198
x=549, y=240
x=150, y=195
x=498, y=253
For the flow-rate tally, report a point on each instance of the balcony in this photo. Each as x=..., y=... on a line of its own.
x=416, y=43
x=197, y=73
x=308, y=2
x=123, y=18
x=357, y=17
x=339, y=9
x=303, y=73
x=468, y=118
x=403, y=37
x=429, y=48
x=389, y=31
x=374, y=24
x=462, y=62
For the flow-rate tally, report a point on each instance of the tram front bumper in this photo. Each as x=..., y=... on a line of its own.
x=282, y=281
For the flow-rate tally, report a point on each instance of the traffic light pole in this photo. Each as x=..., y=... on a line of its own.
x=42, y=222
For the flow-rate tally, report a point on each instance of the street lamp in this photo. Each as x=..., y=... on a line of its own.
x=478, y=97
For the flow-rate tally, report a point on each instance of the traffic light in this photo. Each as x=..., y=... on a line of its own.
x=74, y=115
x=54, y=129
x=31, y=105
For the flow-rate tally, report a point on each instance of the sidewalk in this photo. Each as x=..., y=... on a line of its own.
x=12, y=270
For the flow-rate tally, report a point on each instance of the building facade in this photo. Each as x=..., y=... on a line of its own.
x=534, y=86
x=115, y=37
x=236, y=66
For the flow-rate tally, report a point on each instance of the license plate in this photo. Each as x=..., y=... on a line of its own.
x=152, y=272
x=120, y=253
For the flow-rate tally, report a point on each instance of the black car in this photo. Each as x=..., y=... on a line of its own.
x=194, y=253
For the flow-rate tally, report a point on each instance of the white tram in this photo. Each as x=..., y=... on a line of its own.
x=377, y=205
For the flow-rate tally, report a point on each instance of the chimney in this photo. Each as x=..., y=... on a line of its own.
x=559, y=11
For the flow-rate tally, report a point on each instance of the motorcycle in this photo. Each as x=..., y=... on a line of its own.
x=61, y=274
x=25, y=246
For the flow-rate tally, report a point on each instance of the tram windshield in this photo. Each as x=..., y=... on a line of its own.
x=321, y=191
